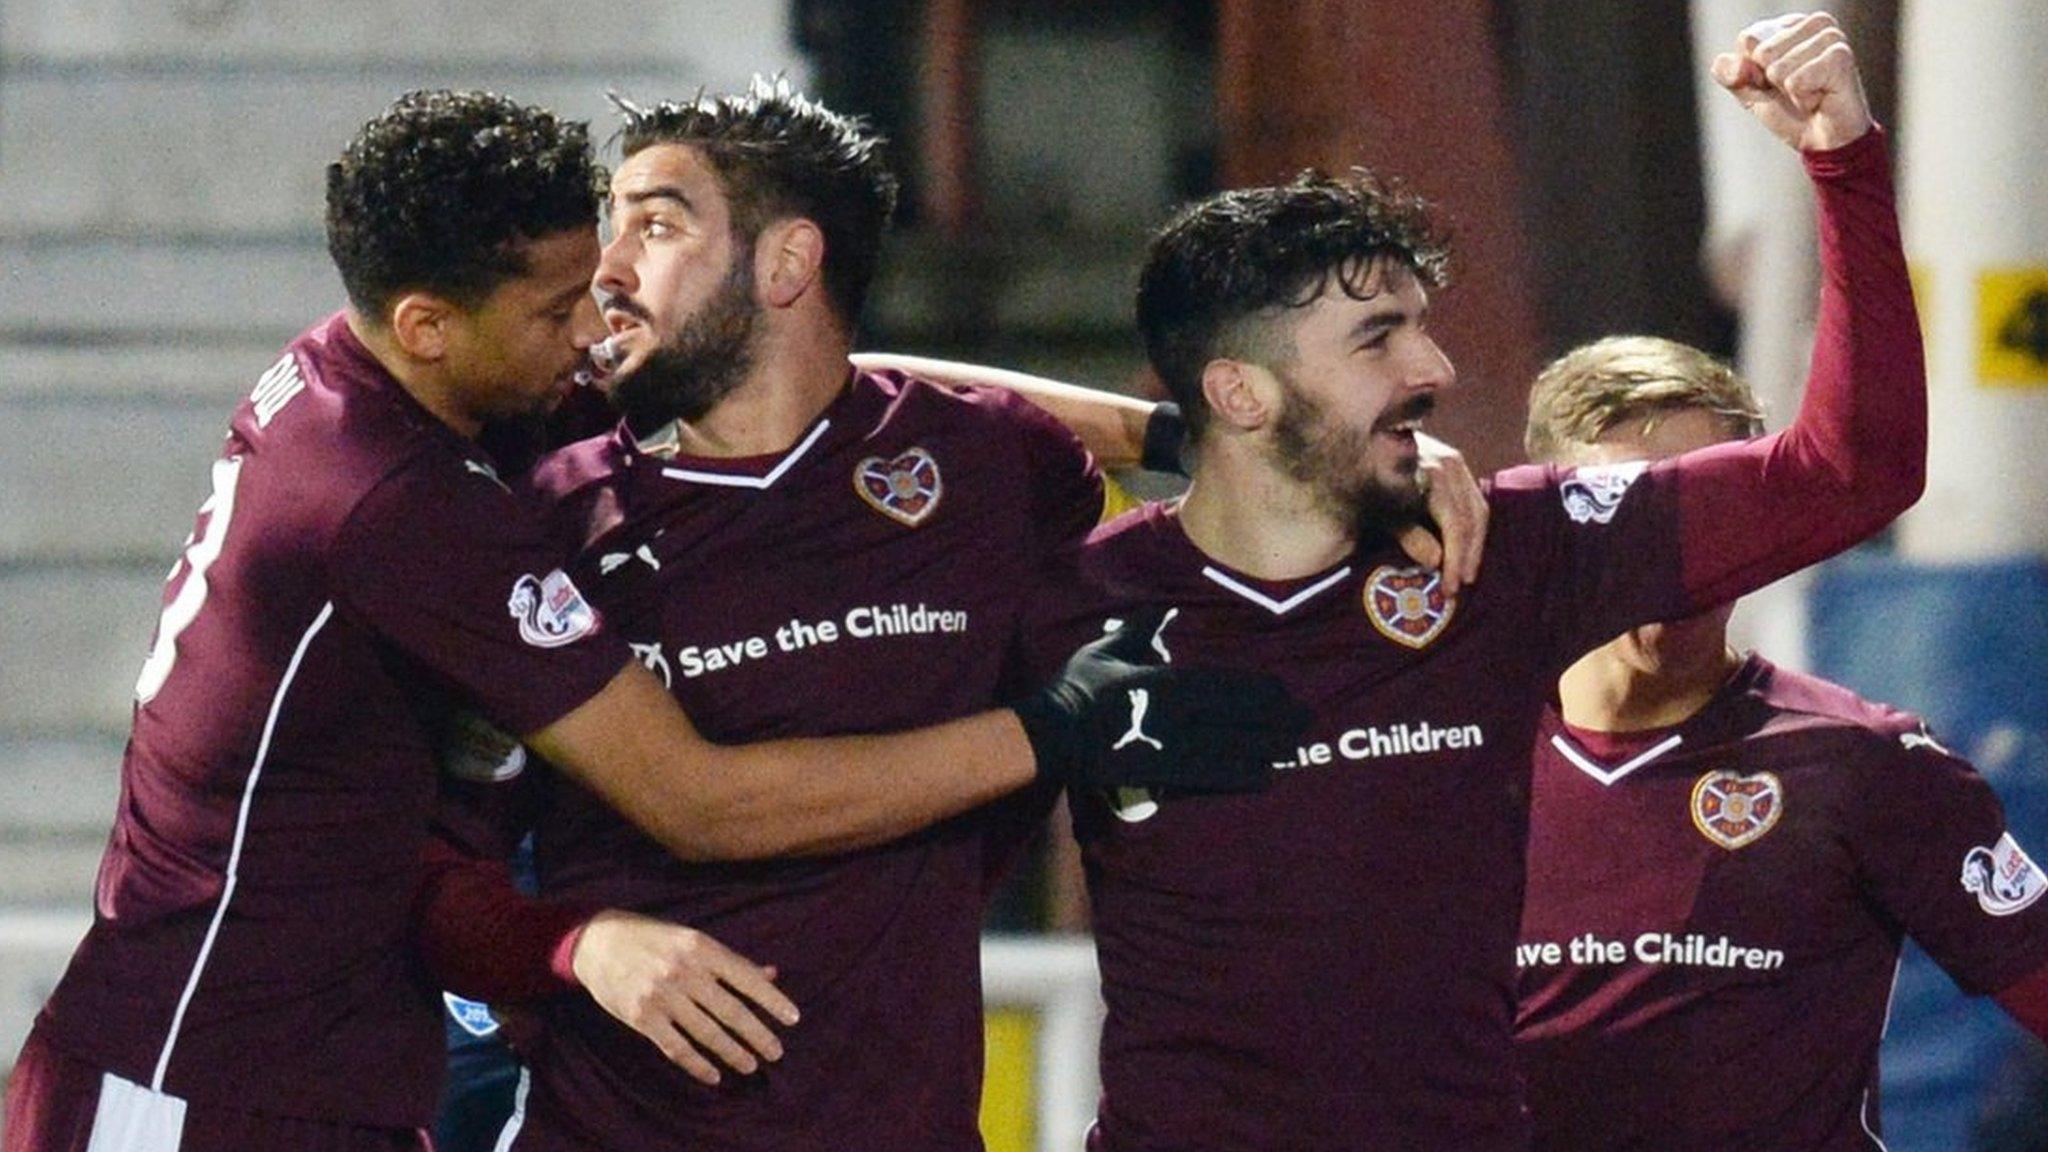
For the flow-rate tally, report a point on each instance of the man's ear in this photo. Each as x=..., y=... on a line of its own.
x=423, y=324
x=789, y=257
x=1240, y=394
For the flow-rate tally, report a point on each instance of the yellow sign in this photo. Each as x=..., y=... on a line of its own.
x=2012, y=328
x=1009, y=1094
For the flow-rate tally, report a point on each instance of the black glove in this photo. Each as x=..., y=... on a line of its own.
x=1115, y=719
x=1165, y=432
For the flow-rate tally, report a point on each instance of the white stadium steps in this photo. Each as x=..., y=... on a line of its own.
x=160, y=238
x=75, y=637
x=60, y=786
x=103, y=481
x=51, y=870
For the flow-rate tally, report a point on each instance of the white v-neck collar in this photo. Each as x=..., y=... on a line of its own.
x=1276, y=607
x=735, y=480
x=1605, y=775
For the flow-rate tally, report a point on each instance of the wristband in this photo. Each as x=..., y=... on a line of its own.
x=1165, y=433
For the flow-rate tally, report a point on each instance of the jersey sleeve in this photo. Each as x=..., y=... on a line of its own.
x=478, y=934
x=1931, y=844
x=1067, y=499
x=1627, y=544
x=456, y=572
x=1067, y=502
x=1856, y=455
x=481, y=938
x=2027, y=1002
x=1066, y=489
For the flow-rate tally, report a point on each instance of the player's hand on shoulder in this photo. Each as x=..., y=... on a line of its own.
x=1120, y=716
x=1797, y=74
x=689, y=995
x=1458, y=507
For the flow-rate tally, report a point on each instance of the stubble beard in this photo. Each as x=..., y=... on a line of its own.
x=704, y=362
x=1335, y=464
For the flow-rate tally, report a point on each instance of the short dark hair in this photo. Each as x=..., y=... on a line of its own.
x=779, y=154
x=439, y=192
x=1222, y=269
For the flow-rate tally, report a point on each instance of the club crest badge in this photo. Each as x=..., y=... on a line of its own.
x=2002, y=877
x=1408, y=605
x=905, y=489
x=1735, y=811
x=1592, y=495
x=550, y=611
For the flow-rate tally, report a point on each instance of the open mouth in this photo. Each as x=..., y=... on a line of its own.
x=1405, y=419
x=622, y=313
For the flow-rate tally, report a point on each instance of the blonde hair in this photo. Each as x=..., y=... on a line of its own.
x=1587, y=392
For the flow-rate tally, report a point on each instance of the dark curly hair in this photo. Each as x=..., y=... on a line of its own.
x=438, y=193
x=1222, y=269
x=779, y=154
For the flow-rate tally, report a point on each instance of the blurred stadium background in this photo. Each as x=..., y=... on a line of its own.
x=160, y=177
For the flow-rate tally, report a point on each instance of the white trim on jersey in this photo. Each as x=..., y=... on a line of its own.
x=130, y=1118
x=227, y=891
x=1276, y=607
x=1863, y=1118
x=762, y=482
x=517, y=1120
x=1891, y=997
x=1601, y=772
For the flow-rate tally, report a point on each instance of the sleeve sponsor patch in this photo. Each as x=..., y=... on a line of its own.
x=469, y=1015
x=2002, y=877
x=550, y=611
x=1593, y=494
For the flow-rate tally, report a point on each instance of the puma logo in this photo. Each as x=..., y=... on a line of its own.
x=1141, y=699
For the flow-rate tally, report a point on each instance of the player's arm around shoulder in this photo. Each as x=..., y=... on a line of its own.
x=1119, y=431
x=634, y=747
x=1122, y=433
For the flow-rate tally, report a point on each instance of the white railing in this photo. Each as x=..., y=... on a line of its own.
x=1056, y=977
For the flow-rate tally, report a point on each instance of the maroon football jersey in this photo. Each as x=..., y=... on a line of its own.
x=1714, y=912
x=357, y=564
x=871, y=578
x=1330, y=964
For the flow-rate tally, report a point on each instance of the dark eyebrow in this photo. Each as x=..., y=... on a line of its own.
x=659, y=192
x=1378, y=322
